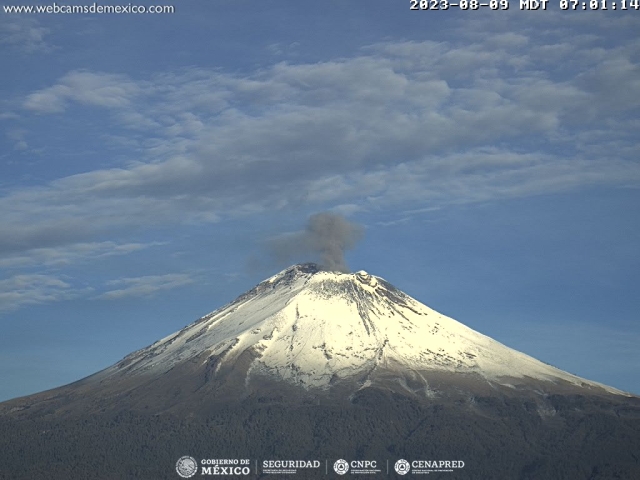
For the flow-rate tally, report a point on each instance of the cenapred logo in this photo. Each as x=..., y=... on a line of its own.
x=186, y=466
x=402, y=467
x=341, y=466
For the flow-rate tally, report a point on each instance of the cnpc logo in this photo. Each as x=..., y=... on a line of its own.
x=357, y=466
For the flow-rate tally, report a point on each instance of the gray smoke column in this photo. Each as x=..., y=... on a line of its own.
x=326, y=237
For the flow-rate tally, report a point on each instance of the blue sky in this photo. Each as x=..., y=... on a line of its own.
x=146, y=160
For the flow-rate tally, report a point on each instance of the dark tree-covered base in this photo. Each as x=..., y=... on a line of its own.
x=497, y=438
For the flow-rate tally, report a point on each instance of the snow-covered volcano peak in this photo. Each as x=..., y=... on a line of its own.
x=313, y=328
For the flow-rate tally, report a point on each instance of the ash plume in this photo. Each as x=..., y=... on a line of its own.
x=326, y=237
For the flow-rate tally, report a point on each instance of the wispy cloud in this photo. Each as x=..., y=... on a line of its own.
x=145, y=286
x=70, y=254
x=21, y=290
x=17, y=137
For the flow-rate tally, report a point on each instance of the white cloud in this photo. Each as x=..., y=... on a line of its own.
x=25, y=34
x=401, y=125
x=86, y=88
x=145, y=286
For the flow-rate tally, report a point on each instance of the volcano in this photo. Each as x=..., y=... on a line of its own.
x=318, y=364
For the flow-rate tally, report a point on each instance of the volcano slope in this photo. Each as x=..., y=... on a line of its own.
x=322, y=365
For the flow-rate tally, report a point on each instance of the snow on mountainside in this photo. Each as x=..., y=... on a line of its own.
x=317, y=364
x=312, y=328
